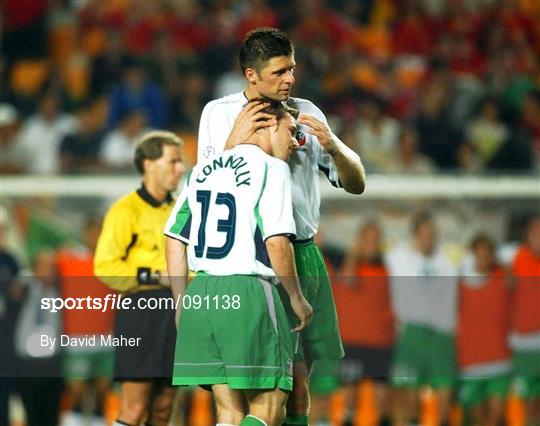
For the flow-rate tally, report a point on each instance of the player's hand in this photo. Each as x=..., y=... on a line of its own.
x=250, y=119
x=321, y=131
x=303, y=311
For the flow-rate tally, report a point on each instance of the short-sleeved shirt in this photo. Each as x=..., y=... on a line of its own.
x=131, y=244
x=423, y=288
x=229, y=207
x=217, y=121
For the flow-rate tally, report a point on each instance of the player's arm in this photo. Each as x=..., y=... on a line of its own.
x=110, y=260
x=177, y=231
x=177, y=269
x=350, y=171
x=281, y=254
x=276, y=215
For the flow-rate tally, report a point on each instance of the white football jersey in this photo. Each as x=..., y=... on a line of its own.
x=423, y=289
x=229, y=207
x=217, y=121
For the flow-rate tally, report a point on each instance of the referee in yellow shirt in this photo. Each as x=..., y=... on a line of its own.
x=130, y=258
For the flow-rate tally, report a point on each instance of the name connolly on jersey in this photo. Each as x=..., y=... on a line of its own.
x=242, y=177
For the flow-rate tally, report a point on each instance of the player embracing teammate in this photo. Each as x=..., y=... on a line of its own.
x=267, y=62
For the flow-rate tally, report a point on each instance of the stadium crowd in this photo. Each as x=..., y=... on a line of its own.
x=412, y=86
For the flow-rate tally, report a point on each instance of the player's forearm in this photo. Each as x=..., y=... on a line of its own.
x=177, y=268
x=281, y=254
x=350, y=170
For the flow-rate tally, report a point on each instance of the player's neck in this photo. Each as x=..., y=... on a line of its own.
x=251, y=93
x=260, y=139
x=156, y=191
x=424, y=251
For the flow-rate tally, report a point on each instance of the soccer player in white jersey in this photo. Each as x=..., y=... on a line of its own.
x=424, y=297
x=267, y=62
x=235, y=213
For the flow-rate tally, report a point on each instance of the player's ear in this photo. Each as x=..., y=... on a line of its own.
x=251, y=75
x=147, y=164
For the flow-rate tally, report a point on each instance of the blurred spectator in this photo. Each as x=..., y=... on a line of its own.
x=42, y=135
x=414, y=32
x=484, y=137
x=87, y=369
x=10, y=300
x=482, y=332
x=231, y=82
x=366, y=319
x=525, y=334
x=438, y=139
x=531, y=121
x=377, y=135
x=11, y=160
x=136, y=92
x=39, y=381
x=119, y=144
x=189, y=28
x=164, y=64
x=424, y=296
x=188, y=104
x=108, y=67
x=79, y=151
x=24, y=28
x=408, y=159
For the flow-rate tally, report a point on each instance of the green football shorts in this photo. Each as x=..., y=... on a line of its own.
x=233, y=330
x=324, y=378
x=526, y=381
x=475, y=390
x=88, y=365
x=321, y=339
x=423, y=356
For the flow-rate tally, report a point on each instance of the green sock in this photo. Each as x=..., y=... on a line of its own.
x=296, y=421
x=252, y=421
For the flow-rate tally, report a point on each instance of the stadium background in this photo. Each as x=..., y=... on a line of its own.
x=452, y=88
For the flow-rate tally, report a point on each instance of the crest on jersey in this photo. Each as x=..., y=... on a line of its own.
x=209, y=151
x=301, y=138
x=289, y=367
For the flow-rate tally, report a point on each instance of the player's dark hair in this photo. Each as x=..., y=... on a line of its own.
x=150, y=147
x=277, y=108
x=261, y=45
x=420, y=218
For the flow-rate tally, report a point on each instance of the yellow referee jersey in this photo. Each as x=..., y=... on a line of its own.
x=131, y=247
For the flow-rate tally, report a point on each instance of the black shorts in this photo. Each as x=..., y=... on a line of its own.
x=365, y=362
x=154, y=333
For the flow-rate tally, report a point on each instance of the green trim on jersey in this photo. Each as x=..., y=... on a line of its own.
x=182, y=216
x=257, y=214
